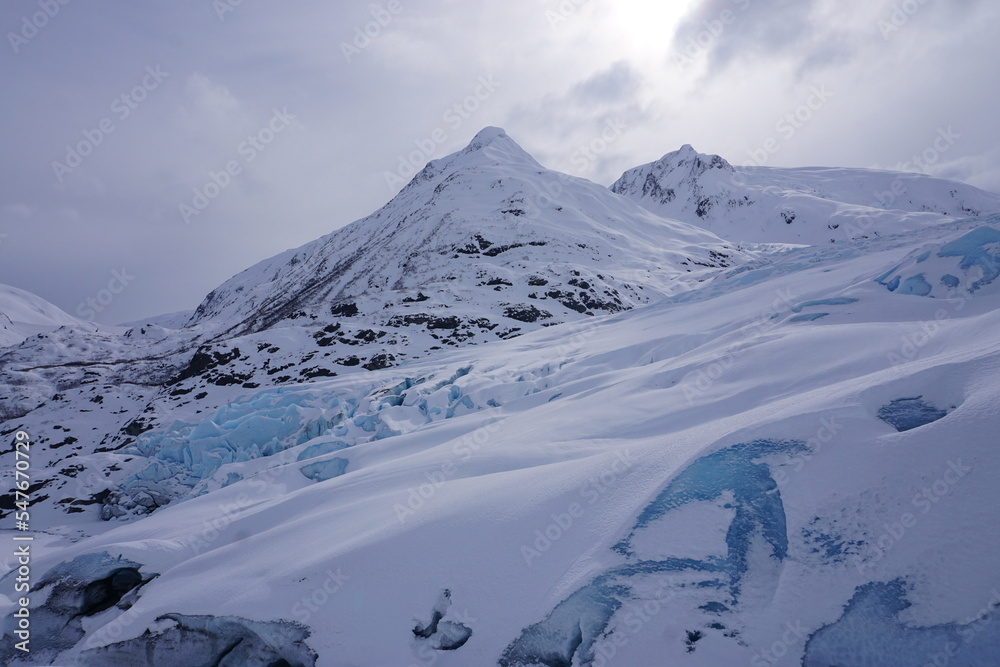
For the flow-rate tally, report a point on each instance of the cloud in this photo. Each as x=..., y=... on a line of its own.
x=210, y=103
x=617, y=83
x=22, y=211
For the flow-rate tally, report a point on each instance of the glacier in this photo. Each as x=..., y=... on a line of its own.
x=484, y=426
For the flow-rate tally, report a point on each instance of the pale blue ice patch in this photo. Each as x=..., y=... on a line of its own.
x=916, y=285
x=870, y=634
x=808, y=317
x=906, y=414
x=567, y=636
x=323, y=471
x=839, y=301
x=979, y=248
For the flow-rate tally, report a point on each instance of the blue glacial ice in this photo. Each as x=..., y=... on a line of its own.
x=906, y=414
x=737, y=475
x=950, y=281
x=839, y=301
x=916, y=285
x=980, y=249
x=183, y=455
x=978, y=265
x=225, y=641
x=321, y=449
x=183, y=458
x=443, y=635
x=869, y=634
x=323, y=471
x=808, y=317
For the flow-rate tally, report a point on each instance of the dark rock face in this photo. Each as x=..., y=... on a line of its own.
x=524, y=313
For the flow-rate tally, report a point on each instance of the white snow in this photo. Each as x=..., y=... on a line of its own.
x=701, y=478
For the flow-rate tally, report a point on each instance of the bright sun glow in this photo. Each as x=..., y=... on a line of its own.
x=648, y=27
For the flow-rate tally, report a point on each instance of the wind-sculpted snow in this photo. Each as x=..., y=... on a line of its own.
x=742, y=480
x=870, y=634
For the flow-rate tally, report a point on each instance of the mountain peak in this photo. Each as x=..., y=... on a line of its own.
x=486, y=136
x=495, y=144
x=699, y=163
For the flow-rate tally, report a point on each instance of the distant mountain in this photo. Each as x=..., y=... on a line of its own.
x=808, y=205
x=480, y=233
x=23, y=314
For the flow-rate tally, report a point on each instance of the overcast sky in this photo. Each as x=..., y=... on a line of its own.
x=116, y=111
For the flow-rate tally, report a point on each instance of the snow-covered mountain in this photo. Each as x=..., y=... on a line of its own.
x=782, y=456
x=23, y=314
x=808, y=205
x=487, y=217
x=482, y=245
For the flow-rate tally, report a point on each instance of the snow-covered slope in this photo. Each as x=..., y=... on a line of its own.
x=789, y=462
x=488, y=217
x=23, y=314
x=807, y=205
x=482, y=245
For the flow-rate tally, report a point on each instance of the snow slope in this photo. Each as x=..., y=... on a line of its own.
x=706, y=480
x=809, y=205
x=786, y=461
x=482, y=245
x=23, y=314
